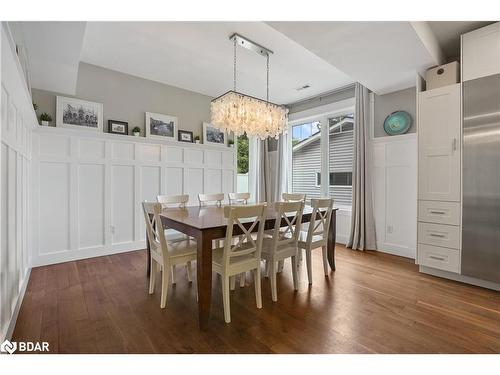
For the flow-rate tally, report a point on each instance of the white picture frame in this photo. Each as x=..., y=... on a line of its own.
x=80, y=114
x=211, y=135
x=165, y=124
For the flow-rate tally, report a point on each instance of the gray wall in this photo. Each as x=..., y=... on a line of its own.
x=127, y=98
x=404, y=100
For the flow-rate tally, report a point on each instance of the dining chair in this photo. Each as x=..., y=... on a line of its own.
x=207, y=199
x=239, y=198
x=283, y=243
x=164, y=254
x=245, y=254
x=172, y=235
x=316, y=235
x=293, y=197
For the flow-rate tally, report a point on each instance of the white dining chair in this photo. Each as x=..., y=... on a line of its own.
x=211, y=199
x=172, y=235
x=316, y=235
x=239, y=198
x=283, y=243
x=164, y=254
x=244, y=255
x=293, y=197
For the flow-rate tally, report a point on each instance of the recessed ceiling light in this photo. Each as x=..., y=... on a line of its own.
x=303, y=87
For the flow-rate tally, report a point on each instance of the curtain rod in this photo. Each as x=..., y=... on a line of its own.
x=323, y=95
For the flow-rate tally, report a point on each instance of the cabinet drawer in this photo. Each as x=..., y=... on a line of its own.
x=439, y=257
x=439, y=235
x=439, y=212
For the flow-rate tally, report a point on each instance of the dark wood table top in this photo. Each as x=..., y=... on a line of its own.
x=207, y=217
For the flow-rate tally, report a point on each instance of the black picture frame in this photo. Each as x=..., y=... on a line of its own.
x=115, y=122
x=182, y=133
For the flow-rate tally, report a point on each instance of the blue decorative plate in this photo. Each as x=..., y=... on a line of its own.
x=397, y=123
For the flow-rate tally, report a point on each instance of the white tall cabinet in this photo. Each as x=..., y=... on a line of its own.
x=439, y=178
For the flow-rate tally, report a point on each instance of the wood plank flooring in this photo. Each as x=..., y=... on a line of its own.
x=373, y=303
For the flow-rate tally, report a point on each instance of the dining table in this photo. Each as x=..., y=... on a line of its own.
x=206, y=224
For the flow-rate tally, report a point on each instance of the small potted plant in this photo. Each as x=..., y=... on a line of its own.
x=136, y=131
x=230, y=143
x=197, y=139
x=45, y=119
x=35, y=106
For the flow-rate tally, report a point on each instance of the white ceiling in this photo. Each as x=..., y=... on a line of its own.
x=198, y=56
x=383, y=56
x=54, y=52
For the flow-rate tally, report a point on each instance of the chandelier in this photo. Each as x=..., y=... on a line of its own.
x=239, y=113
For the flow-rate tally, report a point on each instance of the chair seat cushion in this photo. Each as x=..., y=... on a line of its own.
x=281, y=252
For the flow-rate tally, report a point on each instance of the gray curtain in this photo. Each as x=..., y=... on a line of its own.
x=281, y=183
x=263, y=187
x=362, y=235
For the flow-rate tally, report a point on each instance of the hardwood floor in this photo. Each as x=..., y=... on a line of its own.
x=373, y=303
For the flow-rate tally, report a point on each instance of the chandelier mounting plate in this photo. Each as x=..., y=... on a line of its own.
x=248, y=44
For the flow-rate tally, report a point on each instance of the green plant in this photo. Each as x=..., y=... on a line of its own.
x=136, y=130
x=196, y=137
x=35, y=106
x=230, y=142
x=45, y=117
x=242, y=155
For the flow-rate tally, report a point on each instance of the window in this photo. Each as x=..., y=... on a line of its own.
x=336, y=179
x=303, y=131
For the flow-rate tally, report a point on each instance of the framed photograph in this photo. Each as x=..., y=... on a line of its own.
x=117, y=127
x=213, y=136
x=78, y=114
x=161, y=126
x=185, y=136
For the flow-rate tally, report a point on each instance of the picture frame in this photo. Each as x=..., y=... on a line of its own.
x=160, y=126
x=214, y=136
x=80, y=114
x=185, y=136
x=117, y=127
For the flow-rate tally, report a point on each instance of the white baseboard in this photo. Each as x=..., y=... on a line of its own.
x=71, y=255
x=402, y=251
x=460, y=278
x=20, y=297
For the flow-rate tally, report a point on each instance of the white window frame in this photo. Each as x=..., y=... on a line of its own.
x=321, y=114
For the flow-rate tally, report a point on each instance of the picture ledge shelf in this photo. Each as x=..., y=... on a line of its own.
x=126, y=138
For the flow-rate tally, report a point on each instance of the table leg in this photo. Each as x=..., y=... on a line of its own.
x=148, y=260
x=204, y=278
x=332, y=239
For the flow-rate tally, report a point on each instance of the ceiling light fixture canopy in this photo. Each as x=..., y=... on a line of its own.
x=239, y=113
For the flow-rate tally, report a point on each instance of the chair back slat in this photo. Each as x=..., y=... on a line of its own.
x=246, y=244
x=320, y=219
x=173, y=200
x=154, y=229
x=288, y=234
x=293, y=197
x=239, y=198
x=216, y=199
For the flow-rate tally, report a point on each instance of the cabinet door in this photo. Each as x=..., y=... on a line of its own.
x=439, y=144
x=481, y=52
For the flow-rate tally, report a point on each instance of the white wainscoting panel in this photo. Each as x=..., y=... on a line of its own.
x=17, y=121
x=394, y=178
x=91, y=187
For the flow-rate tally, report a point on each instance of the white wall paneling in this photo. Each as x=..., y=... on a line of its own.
x=17, y=122
x=91, y=187
x=394, y=178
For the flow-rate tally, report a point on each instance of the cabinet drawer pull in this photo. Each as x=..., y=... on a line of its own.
x=437, y=235
x=436, y=258
x=438, y=212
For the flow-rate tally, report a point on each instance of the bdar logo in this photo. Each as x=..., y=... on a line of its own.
x=8, y=347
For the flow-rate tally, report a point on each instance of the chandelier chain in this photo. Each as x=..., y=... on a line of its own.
x=267, y=78
x=234, y=67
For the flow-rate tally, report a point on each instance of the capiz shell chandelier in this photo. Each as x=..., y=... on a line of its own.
x=239, y=113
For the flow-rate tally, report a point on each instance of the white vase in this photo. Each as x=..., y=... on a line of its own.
x=197, y=141
x=137, y=134
x=45, y=123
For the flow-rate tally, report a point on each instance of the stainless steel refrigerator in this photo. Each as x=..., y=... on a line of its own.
x=481, y=179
